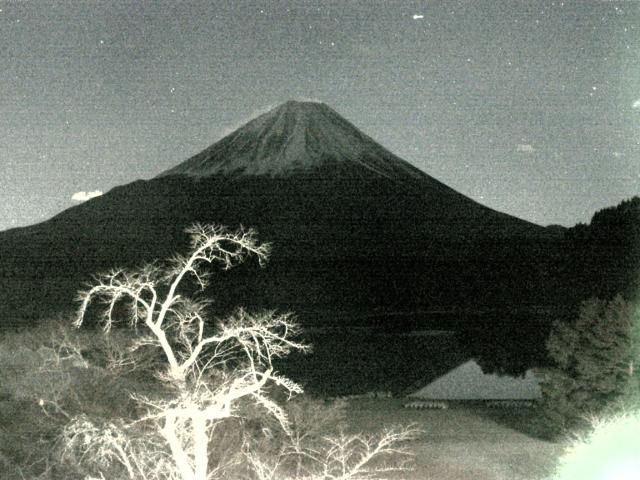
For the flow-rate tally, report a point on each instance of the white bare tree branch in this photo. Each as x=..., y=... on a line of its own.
x=140, y=288
x=179, y=325
x=213, y=370
x=346, y=457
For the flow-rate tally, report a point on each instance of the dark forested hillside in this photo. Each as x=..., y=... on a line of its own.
x=603, y=258
x=340, y=247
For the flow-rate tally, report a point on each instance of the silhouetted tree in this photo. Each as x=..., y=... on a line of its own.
x=596, y=361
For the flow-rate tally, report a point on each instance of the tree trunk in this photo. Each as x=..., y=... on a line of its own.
x=177, y=452
x=200, y=447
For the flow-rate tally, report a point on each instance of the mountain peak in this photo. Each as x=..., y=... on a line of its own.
x=294, y=137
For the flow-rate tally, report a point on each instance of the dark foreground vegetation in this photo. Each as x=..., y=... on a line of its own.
x=56, y=373
x=66, y=395
x=188, y=397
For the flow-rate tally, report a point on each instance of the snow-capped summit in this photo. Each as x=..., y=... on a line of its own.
x=292, y=138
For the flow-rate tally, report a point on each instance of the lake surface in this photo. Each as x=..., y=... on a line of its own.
x=356, y=359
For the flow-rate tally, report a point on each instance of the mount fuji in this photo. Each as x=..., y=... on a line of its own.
x=359, y=235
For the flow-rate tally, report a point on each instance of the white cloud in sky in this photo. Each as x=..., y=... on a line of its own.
x=418, y=17
x=525, y=148
x=309, y=99
x=636, y=105
x=224, y=131
x=84, y=196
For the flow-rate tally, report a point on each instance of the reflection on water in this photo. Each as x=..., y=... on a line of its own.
x=427, y=333
x=348, y=360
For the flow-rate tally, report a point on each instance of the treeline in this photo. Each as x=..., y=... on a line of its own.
x=593, y=263
x=593, y=353
x=602, y=259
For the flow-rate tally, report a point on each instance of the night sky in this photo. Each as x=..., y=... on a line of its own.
x=529, y=107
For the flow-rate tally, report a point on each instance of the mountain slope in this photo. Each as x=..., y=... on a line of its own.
x=358, y=233
x=293, y=138
x=309, y=141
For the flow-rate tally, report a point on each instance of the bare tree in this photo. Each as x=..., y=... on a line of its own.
x=211, y=370
x=178, y=325
x=345, y=457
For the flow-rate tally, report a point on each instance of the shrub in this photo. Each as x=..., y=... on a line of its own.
x=47, y=377
x=595, y=359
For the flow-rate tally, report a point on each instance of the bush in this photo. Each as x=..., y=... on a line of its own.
x=596, y=360
x=48, y=375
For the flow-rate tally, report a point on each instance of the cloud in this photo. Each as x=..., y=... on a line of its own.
x=224, y=131
x=418, y=17
x=525, y=148
x=84, y=196
x=636, y=105
x=309, y=99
